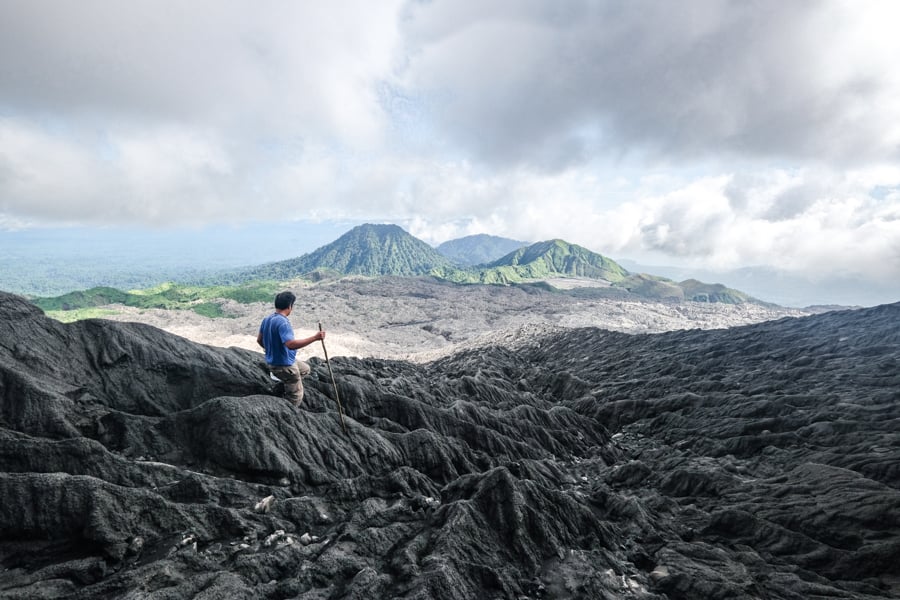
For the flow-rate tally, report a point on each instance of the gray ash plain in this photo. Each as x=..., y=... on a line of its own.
x=757, y=461
x=420, y=319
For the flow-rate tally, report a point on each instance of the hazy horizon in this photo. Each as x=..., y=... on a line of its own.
x=116, y=257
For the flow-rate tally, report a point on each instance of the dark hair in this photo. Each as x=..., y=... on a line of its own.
x=284, y=300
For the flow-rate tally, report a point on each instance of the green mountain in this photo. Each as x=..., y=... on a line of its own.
x=713, y=292
x=554, y=258
x=660, y=288
x=651, y=286
x=370, y=250
x=380, y=250
x=560, y=259
x=478, y=249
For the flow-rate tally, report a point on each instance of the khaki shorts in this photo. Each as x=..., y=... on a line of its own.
x=292, y=378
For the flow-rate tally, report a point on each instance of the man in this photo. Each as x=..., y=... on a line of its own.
x=276, y=336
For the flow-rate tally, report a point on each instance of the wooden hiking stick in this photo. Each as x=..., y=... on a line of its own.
x=337, y=397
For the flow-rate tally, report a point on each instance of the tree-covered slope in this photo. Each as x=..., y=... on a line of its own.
x=204, y=300
x=660, y=288
x=554, y=258
x=478, y=249
x=713, y=292
x=371, y=250
x=562, y=258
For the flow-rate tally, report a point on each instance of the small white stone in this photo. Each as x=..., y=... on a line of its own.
x=264, y=505
x=136, y=544
x=273, y=538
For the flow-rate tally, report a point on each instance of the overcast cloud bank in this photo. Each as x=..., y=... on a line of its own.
x=712, y=133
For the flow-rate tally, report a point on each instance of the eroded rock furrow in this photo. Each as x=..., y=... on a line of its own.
x=751, y=462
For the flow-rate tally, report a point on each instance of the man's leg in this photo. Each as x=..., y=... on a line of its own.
x=302, y=367
x=303, y=370
x=290, y=376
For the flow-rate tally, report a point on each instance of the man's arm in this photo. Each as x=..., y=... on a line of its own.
x=297, y=344
x=259, y=340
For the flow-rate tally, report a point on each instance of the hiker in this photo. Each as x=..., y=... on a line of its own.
x=276, y=336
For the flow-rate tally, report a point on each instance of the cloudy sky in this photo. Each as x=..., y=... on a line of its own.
x=710, y=133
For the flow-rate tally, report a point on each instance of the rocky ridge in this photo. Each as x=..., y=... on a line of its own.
x=753, y=462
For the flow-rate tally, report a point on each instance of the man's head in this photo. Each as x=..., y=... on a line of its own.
x=284, y=300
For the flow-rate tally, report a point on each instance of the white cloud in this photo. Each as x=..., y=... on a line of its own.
x=249, y=67
x=848, y=231
x=714, y=132
x=46, y=177
x=553, y=84
x=694, y=224
x=147, y=176
x=170, y=112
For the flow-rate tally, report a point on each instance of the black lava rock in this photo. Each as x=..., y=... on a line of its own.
x=755, y=462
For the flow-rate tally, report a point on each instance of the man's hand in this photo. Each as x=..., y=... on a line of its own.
x=297, y=344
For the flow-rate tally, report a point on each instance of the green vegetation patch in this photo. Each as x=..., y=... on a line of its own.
x=98, y=296
x=80, y=314
x=169, y=296
x=213, y=310
x=713, y=292
x=652, y=286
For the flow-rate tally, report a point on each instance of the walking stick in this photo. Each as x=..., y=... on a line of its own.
x=337, y=398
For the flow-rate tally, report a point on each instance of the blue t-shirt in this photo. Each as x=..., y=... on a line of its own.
x=276, y=330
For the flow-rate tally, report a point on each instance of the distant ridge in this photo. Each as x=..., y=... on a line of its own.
x=542, y=260
x=653, y=286
x=370, y=250
x=374, y=250
x=713, y=292
x=478, y=249
x=558, y=257
x=388, y=250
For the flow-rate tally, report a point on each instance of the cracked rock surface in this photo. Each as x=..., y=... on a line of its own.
x=760, y=461
x=421, y=319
